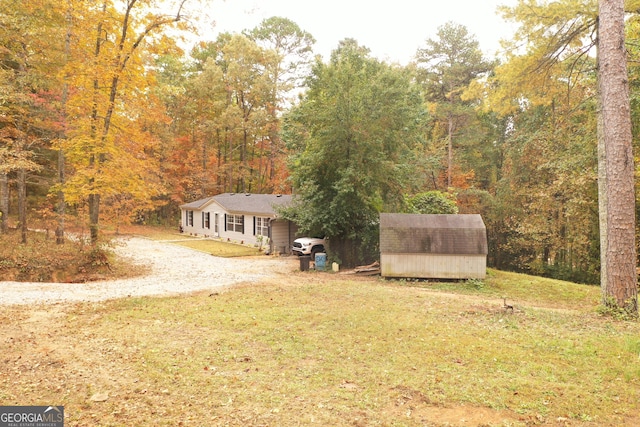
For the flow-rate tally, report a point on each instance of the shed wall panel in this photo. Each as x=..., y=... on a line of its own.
x=433, y=266
x=282, y=236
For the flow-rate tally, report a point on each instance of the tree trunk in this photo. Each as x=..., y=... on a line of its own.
x=94, y=216
x=61, y=208
x=22, y=203
x=617, y=193
x=4, y=202
x=219, y=184
x=450, y=153
x=602, y=192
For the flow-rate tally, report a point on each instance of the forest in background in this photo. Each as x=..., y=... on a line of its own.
x=106, y=120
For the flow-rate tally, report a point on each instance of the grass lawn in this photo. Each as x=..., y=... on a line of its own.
x=220, y=248
x=213, y=246
x=329, y=349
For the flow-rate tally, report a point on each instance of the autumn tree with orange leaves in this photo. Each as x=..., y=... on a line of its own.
x=107, y=147
x=226, y=113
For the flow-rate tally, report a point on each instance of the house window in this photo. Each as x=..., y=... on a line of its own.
x=235, y=223
x=189, y=218
x=206, y=220
x=262, y=226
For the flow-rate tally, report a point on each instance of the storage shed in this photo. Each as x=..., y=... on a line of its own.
x=433, y=246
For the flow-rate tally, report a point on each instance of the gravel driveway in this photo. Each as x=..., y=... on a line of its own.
x=174, y=270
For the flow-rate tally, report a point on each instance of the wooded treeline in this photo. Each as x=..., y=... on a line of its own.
x=105, y=120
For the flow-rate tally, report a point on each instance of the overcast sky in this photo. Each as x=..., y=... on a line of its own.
x=393, y=30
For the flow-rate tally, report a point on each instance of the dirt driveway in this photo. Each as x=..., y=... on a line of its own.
x=174, y=270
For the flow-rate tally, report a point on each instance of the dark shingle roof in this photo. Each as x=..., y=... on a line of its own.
x=435, y=234
x=245, y=203
x=198, y=204
x=252, y=203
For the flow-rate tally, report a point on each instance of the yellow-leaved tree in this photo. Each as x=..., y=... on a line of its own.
x=108, y=146
x=566, y=54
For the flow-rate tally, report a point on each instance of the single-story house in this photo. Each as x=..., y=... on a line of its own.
x=240, y=217
x=433, y=246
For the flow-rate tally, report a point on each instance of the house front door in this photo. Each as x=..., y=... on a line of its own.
x=216, y=224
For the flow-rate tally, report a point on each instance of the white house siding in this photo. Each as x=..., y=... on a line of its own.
x=224, y=230
x=198, y=228
x=433, y=266
x=282, y=232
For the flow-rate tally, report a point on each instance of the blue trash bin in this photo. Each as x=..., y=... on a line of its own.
x=321, y=261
